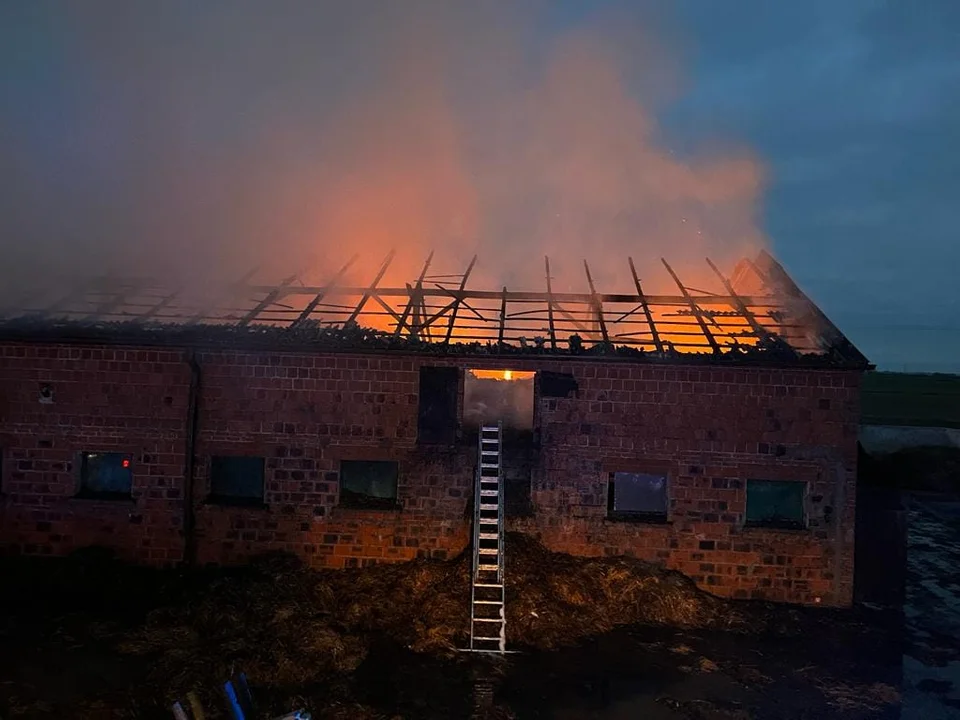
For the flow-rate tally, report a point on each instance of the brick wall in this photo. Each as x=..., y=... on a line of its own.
x=709, y=428
x=104, y=400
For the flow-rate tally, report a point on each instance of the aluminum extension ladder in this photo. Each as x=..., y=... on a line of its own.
x=488, y=621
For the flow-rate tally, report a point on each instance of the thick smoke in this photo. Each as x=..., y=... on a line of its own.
x=197, y=140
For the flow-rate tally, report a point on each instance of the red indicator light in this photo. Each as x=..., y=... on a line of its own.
x=125, y=463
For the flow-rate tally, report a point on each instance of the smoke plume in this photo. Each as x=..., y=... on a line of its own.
x=198, y=140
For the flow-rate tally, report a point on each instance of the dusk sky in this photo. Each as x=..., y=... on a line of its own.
x=827, y=130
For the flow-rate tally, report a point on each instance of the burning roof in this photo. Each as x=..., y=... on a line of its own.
x=758, y=313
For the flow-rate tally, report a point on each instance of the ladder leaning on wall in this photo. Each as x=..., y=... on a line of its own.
x=488, y=622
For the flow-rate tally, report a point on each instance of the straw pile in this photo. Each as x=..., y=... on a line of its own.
x=288, y=626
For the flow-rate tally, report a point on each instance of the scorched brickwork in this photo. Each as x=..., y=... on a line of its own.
x=708, y=429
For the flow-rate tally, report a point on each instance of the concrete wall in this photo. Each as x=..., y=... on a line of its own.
x=709, y=428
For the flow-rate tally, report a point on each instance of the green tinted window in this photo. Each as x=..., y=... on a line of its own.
x=237, y=480
x=106, y=474
x=775, y=503
x=368, y=483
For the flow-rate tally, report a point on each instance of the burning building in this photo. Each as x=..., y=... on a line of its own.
x=714, y=432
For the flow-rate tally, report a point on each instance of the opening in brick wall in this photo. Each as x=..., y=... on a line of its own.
x=437, y=420
x=776, y=504
x=491, y=396
x=639, y=497
x=107, y=476
x=369, y=484
x=237, y=480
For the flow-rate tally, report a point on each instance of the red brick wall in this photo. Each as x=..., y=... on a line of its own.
x=105, y=400
x=710, y=427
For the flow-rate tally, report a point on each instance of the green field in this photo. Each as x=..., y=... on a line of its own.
x=911, y=399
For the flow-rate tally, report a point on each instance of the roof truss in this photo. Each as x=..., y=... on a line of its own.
x=444, y=309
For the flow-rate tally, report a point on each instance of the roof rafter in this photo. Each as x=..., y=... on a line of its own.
x=551, y=329
x=412, y=304
x=759, y=330
x=697, y=312
x=646, y=306
x=322, y=293
x=269, y=300
x=597, y=305
x=372, y=288
x=459, y=298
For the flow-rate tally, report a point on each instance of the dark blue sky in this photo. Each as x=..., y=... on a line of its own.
x=194, y=129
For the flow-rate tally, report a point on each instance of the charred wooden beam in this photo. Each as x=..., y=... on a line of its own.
x=371, y=289
x=646, y=306
x=550, y=327
x=758, y=329
x=597, y=305
x=107, y=308
x=459, y=299
x=520, y=295
x=322, y=293
x=412, y=302
x=389, y=310
x=234, y=290
x=159, y=307
x=697, y=313
x=776, y=278
x=269, y=300
x=503, y=317
x=423, y=312
x=76, y=294
x=437, y=315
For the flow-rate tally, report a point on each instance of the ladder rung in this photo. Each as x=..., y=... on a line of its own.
x=489, y=452
x=493, y=620
x=487, y=567
x=487, y=551
x=490, y=466
x=496, y=639
x=489, y=493
x=496, y=585
x=487, y=506
x=489, y=536
x=488, y=602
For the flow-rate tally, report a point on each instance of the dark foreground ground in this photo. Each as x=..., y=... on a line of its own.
x=84, y=639
x=67, y=664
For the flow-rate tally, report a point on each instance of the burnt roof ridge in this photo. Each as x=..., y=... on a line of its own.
x=312, y=337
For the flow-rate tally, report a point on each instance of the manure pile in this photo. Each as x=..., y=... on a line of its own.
x=287, y=625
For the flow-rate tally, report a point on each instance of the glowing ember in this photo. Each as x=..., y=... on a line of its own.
x=513, y=375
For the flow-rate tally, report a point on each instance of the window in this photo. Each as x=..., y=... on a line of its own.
x=775, y=503
x=506, y=396
x=106, y=475
x=557, y=385
x=369, y=484
x=637, y=496
x=236, y=480
x=437, y=420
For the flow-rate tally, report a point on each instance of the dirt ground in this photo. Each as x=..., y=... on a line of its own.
x=931, y=682
x=597, y=639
